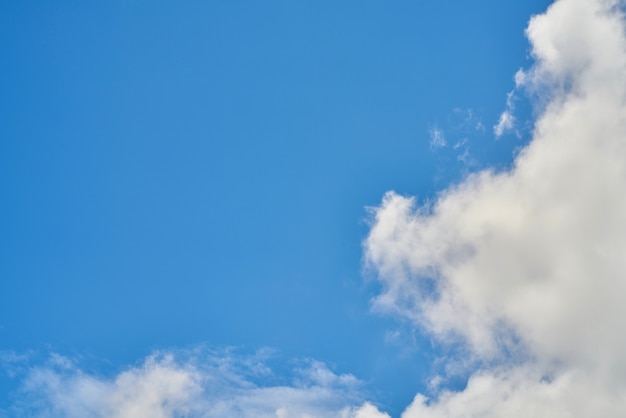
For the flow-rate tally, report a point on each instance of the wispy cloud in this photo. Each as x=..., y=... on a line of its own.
x=525, y=268
x=452, y=140
x=505, y=123
x=191, y=384
x=437, y=138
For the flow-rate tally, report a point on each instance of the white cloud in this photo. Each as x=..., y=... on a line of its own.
x=437, y=138
x=506, y=122
x=369, y=411
x=526, y=267
x=202, y=385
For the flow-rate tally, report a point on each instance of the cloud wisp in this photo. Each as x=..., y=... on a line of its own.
x=199, y=384
x=437, y=138
x=525, y=268
x=506, y=122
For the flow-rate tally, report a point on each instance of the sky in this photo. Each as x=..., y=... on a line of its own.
x=312, y=209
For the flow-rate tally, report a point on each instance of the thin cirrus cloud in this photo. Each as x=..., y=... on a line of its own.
x=202, y=383
x=525, y=268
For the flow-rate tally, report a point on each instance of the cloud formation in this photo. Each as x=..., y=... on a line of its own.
x=507, y=118
x=200, y=384
x=437, y=138
x=525, y=268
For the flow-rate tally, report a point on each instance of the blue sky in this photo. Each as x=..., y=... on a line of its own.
x=176, y=175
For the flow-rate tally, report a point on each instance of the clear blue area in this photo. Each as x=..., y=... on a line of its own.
x=175, y=173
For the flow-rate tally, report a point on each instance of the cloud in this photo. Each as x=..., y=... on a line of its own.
x=523, y=271
x=461, y=125
x=506, y=122
x=437, y=138
x=199, y=384
x=369, y=411
x=525, y=268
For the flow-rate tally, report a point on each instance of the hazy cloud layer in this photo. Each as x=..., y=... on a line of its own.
x=526, y=268
x=200, y=384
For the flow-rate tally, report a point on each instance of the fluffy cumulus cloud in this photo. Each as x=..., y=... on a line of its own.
x=525, y=269
x=200, y=384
